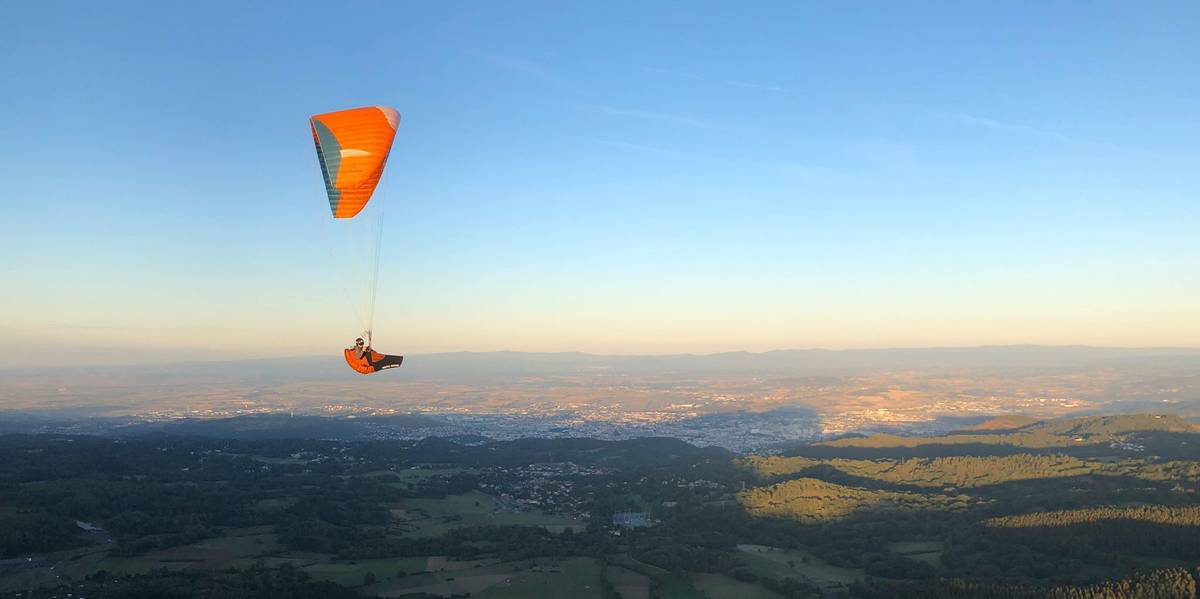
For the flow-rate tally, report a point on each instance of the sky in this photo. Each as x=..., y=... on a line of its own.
x=617, y=177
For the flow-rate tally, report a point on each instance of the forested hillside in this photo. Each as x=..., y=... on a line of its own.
x=1114, y=515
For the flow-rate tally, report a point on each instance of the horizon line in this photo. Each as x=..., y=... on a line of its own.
x=1167, y=348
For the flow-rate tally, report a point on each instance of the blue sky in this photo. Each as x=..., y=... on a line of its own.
x=616, y=177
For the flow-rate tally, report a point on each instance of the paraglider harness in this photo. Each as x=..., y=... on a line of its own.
x=360, y=358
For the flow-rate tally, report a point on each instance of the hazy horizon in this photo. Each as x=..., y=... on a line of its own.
x=914, y=389
x=122, y=357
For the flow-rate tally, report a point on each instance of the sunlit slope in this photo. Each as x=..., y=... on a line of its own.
x=1063, y=433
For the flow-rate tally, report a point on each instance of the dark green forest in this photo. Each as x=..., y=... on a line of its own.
x=1097, y=507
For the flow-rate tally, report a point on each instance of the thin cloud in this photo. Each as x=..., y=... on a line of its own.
x=808, y=172
x=994, y=125
x=672, y=73
x=651, y=149
x=979, y=122
x=879, y=150
x=72, y=326
x=669, y=118
x=730, y=82
x=665, y=117
x=531, y=69
x=758, y=86
x=520, y=65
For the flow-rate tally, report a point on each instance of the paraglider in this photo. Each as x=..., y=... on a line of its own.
x=352, y=148
x=365, y=360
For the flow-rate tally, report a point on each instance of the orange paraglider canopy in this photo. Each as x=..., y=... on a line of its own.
x=353, y=147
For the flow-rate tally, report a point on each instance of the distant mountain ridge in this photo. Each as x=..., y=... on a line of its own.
x=804, y=362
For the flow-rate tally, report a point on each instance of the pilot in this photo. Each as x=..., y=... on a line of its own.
x=360, y=348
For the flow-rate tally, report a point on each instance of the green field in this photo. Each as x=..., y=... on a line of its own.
x=666, y=584
x=236, y=545
x=353, y=574
x=237, y=548
x=571, y=577
x=781, y=563
x=62, y=566
x=244, y=547
x=473, y=503
x=629, y=584
x=248, y=546
x=407, y=478
x=719, y=586
x=421, y=517
x=929, y=552
x=279, y=461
